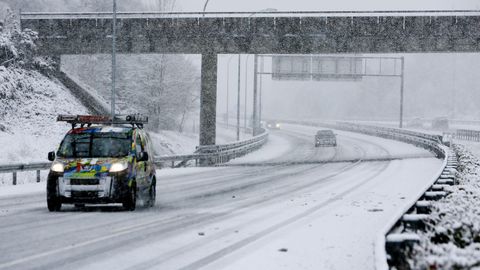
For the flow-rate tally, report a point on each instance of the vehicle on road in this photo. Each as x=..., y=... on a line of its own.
x=325, y=138
x=272, y=124
x=98, y=162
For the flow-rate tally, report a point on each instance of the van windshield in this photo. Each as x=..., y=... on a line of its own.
x=104, y=144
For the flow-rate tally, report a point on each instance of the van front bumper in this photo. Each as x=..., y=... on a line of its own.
x=112, y=188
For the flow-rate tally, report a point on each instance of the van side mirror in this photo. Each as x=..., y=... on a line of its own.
x=51, y=156
x=143, y=156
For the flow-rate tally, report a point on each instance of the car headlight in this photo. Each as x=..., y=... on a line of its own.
x=118, y=167
x=278, y=125
x=57, y=167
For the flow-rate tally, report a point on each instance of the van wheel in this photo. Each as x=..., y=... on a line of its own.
x=53, y=201
x=53, y=204
x=130, y=201
x=152, y=194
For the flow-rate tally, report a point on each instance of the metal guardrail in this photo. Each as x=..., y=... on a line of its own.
x=211, y=154
x=219, y=153
x=426, y=136
x=427, y=141
x=399, y=236
x=463, y=134
x=14, y=168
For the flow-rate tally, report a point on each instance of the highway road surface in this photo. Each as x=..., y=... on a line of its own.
x=287, y=206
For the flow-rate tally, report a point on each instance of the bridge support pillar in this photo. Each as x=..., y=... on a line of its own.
x=256, y=122
x=208, y=99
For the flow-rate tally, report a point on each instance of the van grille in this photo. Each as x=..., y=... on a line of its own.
x=84, y=181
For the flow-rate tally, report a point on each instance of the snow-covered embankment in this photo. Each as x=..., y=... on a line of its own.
x=452, y=239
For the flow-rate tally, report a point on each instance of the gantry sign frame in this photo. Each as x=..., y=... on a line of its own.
x=210, y=34
x=367, y=71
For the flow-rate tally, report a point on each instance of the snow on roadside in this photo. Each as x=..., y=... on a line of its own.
x=276, y=146
x=473, y=147
x=167, y=142
x=228, y=134
x=452, y=240
x=29, y=188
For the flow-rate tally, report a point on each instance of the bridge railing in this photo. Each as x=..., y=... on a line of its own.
x=212, y=154
x=246, y=14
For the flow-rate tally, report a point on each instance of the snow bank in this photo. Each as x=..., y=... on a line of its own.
x=473, y=147
x=452, y=240
x=169, y=142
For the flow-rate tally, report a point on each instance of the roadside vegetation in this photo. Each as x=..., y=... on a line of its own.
x=452, y=240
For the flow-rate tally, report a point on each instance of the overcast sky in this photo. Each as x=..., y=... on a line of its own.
x=285, y=5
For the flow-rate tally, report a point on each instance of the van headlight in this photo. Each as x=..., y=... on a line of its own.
x=118, y=167
x=57, y=167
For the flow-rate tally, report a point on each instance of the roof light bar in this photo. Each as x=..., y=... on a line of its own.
x=83, y=119
x=134, y=119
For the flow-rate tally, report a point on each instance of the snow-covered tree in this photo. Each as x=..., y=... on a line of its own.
x=17, y=46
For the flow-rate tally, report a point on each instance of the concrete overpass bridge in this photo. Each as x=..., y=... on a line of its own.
x=210, y=34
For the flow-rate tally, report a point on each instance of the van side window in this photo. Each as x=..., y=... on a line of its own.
x=138, y=144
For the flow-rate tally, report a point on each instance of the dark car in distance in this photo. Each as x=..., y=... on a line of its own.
x=325, y=138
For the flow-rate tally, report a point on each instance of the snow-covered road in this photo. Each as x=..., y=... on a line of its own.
x=272, y=209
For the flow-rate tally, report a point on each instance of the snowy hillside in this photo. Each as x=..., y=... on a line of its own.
x=29, y=104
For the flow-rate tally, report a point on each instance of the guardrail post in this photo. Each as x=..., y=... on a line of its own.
x=14, y=178
x=38, y=176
